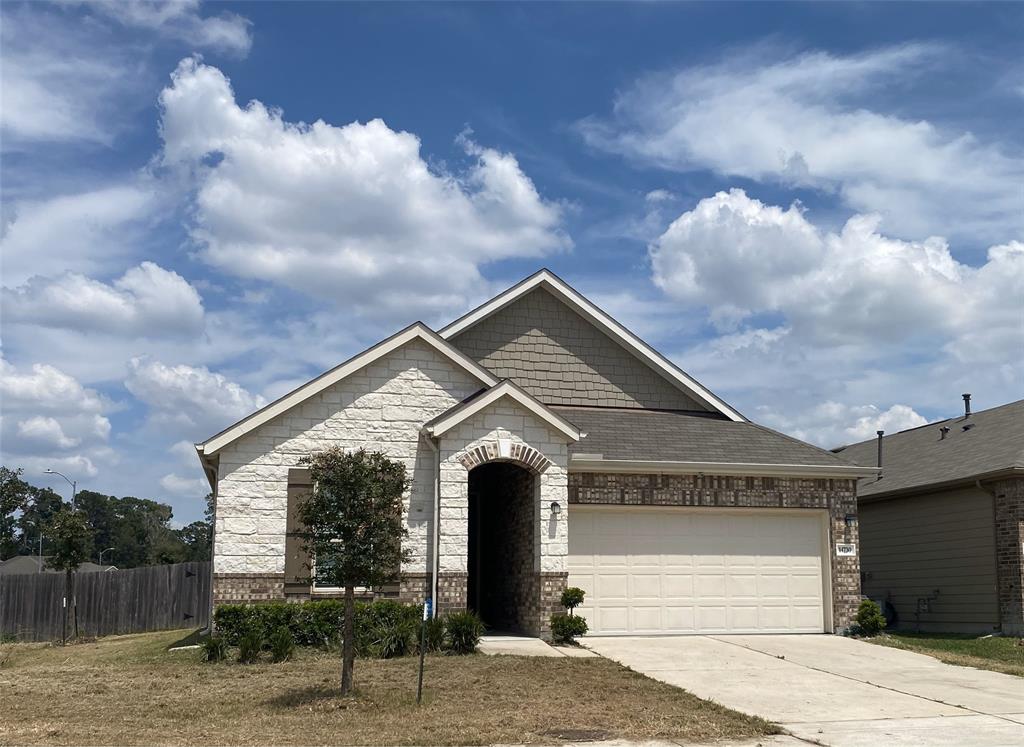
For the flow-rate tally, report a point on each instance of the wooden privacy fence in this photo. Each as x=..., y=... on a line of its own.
x=157, y=597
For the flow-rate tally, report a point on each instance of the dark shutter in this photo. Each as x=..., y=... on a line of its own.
x=296, y=559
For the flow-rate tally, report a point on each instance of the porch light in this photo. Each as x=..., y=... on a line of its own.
x=850, y=519
x=556, y=508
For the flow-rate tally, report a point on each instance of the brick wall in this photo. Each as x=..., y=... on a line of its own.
x=836, y=496
x=561, y=358
x=1009, y=516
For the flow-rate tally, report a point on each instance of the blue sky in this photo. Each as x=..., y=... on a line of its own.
x=816, y=209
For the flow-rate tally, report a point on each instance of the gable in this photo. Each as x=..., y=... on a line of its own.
x=560, y=358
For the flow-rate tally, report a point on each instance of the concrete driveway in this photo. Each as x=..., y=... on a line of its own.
x=834, y=690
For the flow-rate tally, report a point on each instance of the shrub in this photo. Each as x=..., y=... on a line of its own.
x=565, y=628
x=869, y=618
x=231, y=621
x=282, y=644
x=249, y=647
x=214, y=648
x=433, y=636
x=318, y=623
x=572, y=598
x=462, y=632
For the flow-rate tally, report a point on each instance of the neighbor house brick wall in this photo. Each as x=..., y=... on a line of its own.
x=838, y=497
x=381, y=407
x=1009, y=518
x=561, y=358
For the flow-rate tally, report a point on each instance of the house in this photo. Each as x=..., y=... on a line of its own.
x=548, y=445
x=942, y=528
x=22, y=564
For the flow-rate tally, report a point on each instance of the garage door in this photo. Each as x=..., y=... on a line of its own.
x=651, y=570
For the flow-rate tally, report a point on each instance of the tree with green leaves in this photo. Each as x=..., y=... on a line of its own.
x=352, y=528
x=71, y=539
x=14, y=495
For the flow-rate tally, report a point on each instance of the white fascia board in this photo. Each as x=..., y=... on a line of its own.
x=416, y=331
x=504, y=389
x=602, y=321
x=589, y=464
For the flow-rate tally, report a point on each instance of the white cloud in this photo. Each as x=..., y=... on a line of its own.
x=815, y=120
x=867, y=324
x=147, y=301
x=833, y=424
x=353, y=214
x=181, y=20
x=85, y=232
x=185, y=486
x=50, y=419
x=193, y=400
x=46, y=430
x=739, y=257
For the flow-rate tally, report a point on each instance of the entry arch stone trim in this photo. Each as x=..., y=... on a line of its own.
x=502, y=450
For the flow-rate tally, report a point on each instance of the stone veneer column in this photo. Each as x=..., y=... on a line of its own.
x=1009, y=518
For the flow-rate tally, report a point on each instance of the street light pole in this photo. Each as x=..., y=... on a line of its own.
x=109, y=549
x=72, y=483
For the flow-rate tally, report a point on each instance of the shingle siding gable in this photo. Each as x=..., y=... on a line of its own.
x=561, y=359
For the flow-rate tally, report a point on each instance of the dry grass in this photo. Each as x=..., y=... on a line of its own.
x=130, y=690
x=997, y=653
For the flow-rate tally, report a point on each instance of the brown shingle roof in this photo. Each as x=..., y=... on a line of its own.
x=919, y=457
x=651, y=435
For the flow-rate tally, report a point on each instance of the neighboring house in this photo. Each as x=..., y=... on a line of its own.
x=21, y=564
x=556, y=448
x=942, y=530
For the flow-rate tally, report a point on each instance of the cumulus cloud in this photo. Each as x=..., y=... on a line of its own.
x=834, y=424
x=739, y=257
x=879, y=329
x=147, y=301
x=351, y=213
x=193, y=400
x=50, y=419
x=806, y=120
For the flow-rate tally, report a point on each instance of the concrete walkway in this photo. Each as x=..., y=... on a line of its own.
x=833, y=690
x=521, y=645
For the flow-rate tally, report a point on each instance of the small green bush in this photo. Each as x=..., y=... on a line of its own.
x=249, y=647
x=214, y=648
x=572, y=598
x=282, y=644
x=870, y=619
x=462, y=632
x=433, y=636
x=565, y=628
x=318, y=623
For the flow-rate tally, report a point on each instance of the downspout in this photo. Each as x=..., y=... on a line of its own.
x=435, y=571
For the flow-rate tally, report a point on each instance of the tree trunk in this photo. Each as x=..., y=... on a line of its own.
x=348, y=644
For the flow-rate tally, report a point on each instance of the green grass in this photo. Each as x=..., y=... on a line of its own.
x=999, y=654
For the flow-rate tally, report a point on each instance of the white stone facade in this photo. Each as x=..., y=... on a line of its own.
x=380, y=407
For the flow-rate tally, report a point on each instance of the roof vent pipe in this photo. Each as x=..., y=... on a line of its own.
x=944, y=430
x=880, y=434
x=967, y=405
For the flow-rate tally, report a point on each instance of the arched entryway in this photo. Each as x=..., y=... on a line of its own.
x=503, y=514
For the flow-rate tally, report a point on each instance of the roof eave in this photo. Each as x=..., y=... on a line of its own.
x=933, y=487
x=577, y=464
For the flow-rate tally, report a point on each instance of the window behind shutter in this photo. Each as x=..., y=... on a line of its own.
x=296, y=559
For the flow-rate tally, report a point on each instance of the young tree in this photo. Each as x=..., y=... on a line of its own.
x=353, y=528
x=71, y=540
x=14, y=494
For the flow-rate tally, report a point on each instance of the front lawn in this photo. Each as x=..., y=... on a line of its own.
x=1000, y=654
x=132, y=690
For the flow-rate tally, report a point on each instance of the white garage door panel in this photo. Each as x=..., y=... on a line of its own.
x=651, y=570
